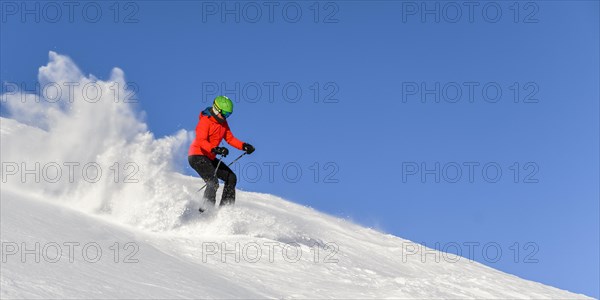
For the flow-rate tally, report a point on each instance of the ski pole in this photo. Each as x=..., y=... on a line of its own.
x=238, y=158
x=215, y=174
x=217, y=168
x=218, y=164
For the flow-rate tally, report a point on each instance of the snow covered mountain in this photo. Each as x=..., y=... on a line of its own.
x=112, y=217
x=265, y=247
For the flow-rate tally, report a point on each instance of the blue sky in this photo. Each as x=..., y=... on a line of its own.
x=364, y=142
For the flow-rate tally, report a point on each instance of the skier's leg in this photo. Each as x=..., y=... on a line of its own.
x=206, y=169
x=226, y=174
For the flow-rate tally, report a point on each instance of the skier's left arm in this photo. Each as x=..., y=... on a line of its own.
x=232, y=140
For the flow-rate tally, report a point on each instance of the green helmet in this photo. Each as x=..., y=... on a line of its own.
x=223, y=105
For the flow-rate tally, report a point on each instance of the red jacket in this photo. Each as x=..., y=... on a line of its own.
x=209, y=134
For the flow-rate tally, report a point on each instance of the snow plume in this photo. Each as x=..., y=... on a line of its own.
x=79, y=141
x=92, y=149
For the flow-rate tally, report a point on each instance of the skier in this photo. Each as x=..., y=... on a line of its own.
x=211, y=129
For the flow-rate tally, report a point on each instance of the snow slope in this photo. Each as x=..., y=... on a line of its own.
x=135, y=233
x=182, y=263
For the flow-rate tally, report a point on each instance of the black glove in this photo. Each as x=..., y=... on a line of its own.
x=220, y=150
x=248, y=148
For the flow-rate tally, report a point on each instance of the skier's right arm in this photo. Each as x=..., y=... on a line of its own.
x=202, y=134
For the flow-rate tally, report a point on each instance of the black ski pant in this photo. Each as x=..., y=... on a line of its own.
x=206, y=169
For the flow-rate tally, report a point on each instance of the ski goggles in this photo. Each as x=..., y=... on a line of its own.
x=225, y=114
